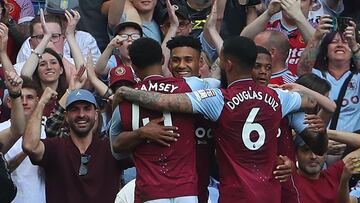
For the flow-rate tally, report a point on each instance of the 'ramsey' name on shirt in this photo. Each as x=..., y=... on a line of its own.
x=159, y=87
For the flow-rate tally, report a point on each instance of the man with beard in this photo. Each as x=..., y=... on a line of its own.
x=80, y=167
x=329, y=185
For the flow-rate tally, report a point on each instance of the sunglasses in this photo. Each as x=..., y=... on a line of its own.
x=84, y=160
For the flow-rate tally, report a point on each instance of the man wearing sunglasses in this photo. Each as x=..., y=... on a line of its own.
x=79, y=167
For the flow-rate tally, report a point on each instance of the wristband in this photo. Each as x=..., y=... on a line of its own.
x=14, y=95
x=37, y=54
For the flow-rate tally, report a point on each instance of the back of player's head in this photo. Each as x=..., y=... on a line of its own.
x=145, y=52
x=262, y=50
x=279, y=41
x=241, y=49
x=184, y=41
x=315, y=83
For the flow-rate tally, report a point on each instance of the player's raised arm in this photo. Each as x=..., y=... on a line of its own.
x=154, y=100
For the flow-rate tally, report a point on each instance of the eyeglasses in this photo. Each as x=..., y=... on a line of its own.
x=84, y=160
x=134, y=36
x=182, y=24
x=54, y=37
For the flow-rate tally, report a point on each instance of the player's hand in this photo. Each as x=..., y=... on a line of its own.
x=283, y=169
x=48, y=95
x=315, y=123
x=156, y=132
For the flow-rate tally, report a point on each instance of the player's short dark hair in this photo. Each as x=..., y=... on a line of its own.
x=262, y=50
x=315, y=83
x=184, y=41
x=31, y=84
x=242, y=49
x=145, y=52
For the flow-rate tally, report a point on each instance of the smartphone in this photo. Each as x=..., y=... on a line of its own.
x=342, y=23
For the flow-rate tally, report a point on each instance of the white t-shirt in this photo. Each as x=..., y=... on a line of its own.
x=29, y=179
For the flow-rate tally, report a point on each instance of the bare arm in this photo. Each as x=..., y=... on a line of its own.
x=101, y=67
x=349, y=169
x=251, y=14
x=105, y=6
x=16, y=161
x=315, y=135
x=116, y=9
x=8, y=137
x=308, y=57
x=292, y=7
x=100, y=87
x=174, y=24
x=258, y=25
x=153, y=100
x=153, y=131
x=73, y=19
x=32, y=62
x=32, y=145
x=350, y=34
x=6, y=63
x=310, y=98
x=211, y=32
x=351, y=139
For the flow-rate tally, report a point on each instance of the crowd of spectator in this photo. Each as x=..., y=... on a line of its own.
x=179, y=101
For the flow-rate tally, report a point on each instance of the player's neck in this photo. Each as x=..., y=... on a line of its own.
x=278, y=67
x=151, y=70
x=234, y=77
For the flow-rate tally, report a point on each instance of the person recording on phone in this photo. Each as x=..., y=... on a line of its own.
x=334, y=55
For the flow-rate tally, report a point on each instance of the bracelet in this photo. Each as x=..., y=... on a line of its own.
x=37, y=54
x=14, y=95
x=108, y=93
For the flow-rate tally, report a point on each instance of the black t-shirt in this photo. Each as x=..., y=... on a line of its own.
x=235, y=18
x=198, y=17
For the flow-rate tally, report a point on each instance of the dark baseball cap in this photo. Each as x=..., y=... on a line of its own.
x=180, y=11
x=124, y=25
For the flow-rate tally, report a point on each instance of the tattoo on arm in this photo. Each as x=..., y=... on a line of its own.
x=161, y=102
x=308, y=57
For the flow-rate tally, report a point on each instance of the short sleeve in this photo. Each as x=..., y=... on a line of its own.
x=297, y=121
x=208, y=102
x=290, y=101
x=50, y=152
x=114, y=132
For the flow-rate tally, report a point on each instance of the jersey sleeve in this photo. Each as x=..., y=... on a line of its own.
x=296, y=121
x=196, y=83
x=208, y=102
x=290, y=101
x=114, y=132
